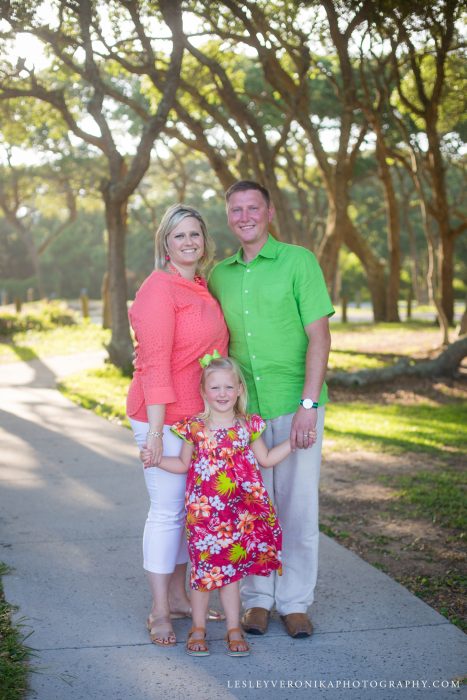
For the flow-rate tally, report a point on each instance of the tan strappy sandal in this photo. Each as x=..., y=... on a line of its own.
x=161, y=632
x=197, y=647
x=237, y=647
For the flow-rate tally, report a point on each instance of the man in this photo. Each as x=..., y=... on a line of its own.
x=276, y=307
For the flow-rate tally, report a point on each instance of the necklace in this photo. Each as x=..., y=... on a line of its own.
x=197, y=279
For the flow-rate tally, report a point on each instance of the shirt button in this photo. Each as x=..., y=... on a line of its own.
x=248, y=270
x=248, y=333
x=246, y=291
x=253, y=357
x=247, y=312
x=258, y=378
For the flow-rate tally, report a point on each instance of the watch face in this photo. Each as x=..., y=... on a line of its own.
x=307, y=403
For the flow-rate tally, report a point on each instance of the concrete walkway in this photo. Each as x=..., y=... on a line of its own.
x=73, y=505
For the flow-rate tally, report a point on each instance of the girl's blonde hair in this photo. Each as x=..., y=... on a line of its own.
x=172, y=217
x=229, y=364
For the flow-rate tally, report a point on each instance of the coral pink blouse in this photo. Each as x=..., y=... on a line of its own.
x=175, y=321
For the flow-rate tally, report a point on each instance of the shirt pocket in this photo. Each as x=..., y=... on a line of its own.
x=276, y=300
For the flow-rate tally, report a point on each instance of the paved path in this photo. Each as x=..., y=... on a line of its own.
x=73, y=506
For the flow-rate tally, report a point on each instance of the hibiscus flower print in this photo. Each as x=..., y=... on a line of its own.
x=257, y=490
x=224, y=534
x=232, y=529
x=246, y=523
x=213, y=578
x=201, y=507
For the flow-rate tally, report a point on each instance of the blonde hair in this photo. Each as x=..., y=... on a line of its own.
x=172, y=217
x=231, y=365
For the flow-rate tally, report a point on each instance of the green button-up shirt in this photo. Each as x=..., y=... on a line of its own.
x=267, y=302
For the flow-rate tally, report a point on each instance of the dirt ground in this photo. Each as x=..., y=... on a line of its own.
x=365, y=515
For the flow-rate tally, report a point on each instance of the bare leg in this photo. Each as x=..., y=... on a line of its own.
x=159, y=623
x=199, y=604
x=230, y=598
x=179, y=602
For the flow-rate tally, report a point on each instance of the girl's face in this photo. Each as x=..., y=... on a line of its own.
x=185, y=243
x=221, y=390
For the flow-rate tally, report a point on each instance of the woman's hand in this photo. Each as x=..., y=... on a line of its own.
x=154, y=447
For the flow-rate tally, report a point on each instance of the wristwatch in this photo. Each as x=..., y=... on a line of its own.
x=308, y=403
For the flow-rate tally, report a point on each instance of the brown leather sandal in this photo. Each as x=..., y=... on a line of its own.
x=202, y=647
x=161, y=632
x=237, y=647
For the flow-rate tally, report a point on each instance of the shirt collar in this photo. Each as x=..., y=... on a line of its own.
x=269, y=250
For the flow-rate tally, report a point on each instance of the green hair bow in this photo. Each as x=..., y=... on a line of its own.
x=207, y=359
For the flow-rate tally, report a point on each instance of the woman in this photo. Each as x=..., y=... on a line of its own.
x=176, y=321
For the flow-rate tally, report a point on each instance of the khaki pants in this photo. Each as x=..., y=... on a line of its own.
x=293, y=487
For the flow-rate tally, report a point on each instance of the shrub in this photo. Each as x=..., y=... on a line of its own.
x=38, y=317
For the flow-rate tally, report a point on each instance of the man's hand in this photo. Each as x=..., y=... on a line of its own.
x=303, y=430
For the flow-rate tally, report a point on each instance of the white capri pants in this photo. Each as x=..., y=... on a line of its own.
x=164, y=540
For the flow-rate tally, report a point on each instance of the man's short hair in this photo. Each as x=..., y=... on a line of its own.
x=243, y=186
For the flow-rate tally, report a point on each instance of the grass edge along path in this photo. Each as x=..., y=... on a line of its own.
x=14, y=653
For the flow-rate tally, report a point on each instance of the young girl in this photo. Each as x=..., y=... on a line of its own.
x=232, y=528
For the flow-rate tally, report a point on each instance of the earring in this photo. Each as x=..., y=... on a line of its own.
x=167, y=257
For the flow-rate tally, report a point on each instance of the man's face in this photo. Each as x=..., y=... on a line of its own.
x=249, y=216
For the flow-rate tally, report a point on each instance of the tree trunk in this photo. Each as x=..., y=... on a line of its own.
x=419, y=294
x=445, y=365
x=120, y=348
x=328, y=251
x=446, y=275
x=463, y=323
x=433, y=270
x=105, y=294
x=440, y=212
x=374, y=269
x=393, y=233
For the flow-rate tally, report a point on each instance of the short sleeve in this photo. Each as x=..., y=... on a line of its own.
x=256, y=426
x=310, y=290
x=183, y=429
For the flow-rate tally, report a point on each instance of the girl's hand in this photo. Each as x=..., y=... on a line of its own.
x=145, y=457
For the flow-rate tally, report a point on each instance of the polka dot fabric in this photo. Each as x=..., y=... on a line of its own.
x=175, y=321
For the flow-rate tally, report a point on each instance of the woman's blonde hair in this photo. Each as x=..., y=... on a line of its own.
x=229, y=364
x=172, y=217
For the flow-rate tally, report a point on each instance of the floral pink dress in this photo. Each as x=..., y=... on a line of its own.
x=232, y=527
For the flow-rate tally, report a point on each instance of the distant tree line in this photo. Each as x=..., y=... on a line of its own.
x=351, y=112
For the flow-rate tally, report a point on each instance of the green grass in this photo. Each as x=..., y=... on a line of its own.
x=439, y=495
x=61, y=340
x=100, y=390
x=435, y=429
x=350, y=361
x=14, y=654
x=440, y=589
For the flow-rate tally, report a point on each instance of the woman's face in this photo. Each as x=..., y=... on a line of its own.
x=185, y=243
